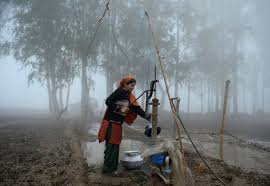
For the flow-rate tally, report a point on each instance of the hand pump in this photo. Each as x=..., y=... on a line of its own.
x=154, y=104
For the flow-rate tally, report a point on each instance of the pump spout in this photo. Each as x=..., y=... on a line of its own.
x=152, y=88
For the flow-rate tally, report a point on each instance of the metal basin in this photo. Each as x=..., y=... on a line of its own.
x=132, y=160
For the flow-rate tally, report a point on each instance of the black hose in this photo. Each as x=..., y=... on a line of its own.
x=197, y=149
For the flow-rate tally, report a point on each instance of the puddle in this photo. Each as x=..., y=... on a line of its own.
x=94, y=129
x=93, y=151
x=235, y=154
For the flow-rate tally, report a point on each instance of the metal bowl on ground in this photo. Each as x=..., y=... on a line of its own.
x=132, y=160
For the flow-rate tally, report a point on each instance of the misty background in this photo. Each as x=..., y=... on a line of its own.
x=47, y=62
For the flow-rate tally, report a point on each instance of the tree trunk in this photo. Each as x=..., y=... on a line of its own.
x=60, y=98
x=109, y=82
x=217, y=96
x=263, y=85
x=54, y=98
x=235, y=79
x=212, y=98
x=67, y=98
x=176, y=94
x=84, y=92
x=54, y=88
x=263, y=99
x=235, y=93
x=254, y=90
x=244, y=99
x=162, y=96
x=208, y=97
x=67, y=101
x=201, y=98
x=176, y=86
x=49, y=93
x=177, y=55
x=188, y=106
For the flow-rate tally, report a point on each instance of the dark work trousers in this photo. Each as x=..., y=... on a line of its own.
x=111, y=153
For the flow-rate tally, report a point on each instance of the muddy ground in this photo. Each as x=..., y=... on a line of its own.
x=43, y=151
x=40, y=151
x=231, y=175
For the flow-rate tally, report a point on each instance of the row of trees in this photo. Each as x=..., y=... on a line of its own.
x=202, y=44
x=211, y=44
x=51, y=38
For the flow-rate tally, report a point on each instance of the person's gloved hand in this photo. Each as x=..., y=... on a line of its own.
x=148, y=116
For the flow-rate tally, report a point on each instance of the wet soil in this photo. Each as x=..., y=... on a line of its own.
x=40, y=151
x=229, y=174
x=44, y=151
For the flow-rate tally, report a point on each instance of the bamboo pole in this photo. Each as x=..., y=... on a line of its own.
x=177, y=111
x=223, y=119
x=163, y=74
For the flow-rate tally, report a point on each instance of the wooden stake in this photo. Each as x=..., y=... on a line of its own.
x=223, y=119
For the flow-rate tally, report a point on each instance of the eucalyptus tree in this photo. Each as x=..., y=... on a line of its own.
x=236, y=27
x=40, y=34
x=260, y=30
x=219, y=40
x=130, y=43
x=87, y=45
x=6, y=12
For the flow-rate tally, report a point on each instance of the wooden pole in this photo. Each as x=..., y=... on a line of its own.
x=188, y=107
x=177, y=111
x=223, y=119
x=163, y=74
x=154, y=121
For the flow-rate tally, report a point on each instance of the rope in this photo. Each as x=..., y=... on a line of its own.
x=98, y=24
x=118, y=44
x=148, y=69
x=173, y=110
x=125, y=53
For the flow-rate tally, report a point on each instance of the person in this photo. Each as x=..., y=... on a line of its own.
x=121, y=107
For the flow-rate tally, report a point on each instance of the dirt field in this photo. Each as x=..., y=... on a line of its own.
x=40, y=151
x=43, y=151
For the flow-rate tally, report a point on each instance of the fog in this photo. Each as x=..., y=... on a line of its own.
x=61, y=59
x=49, y=46
x=34, y=95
